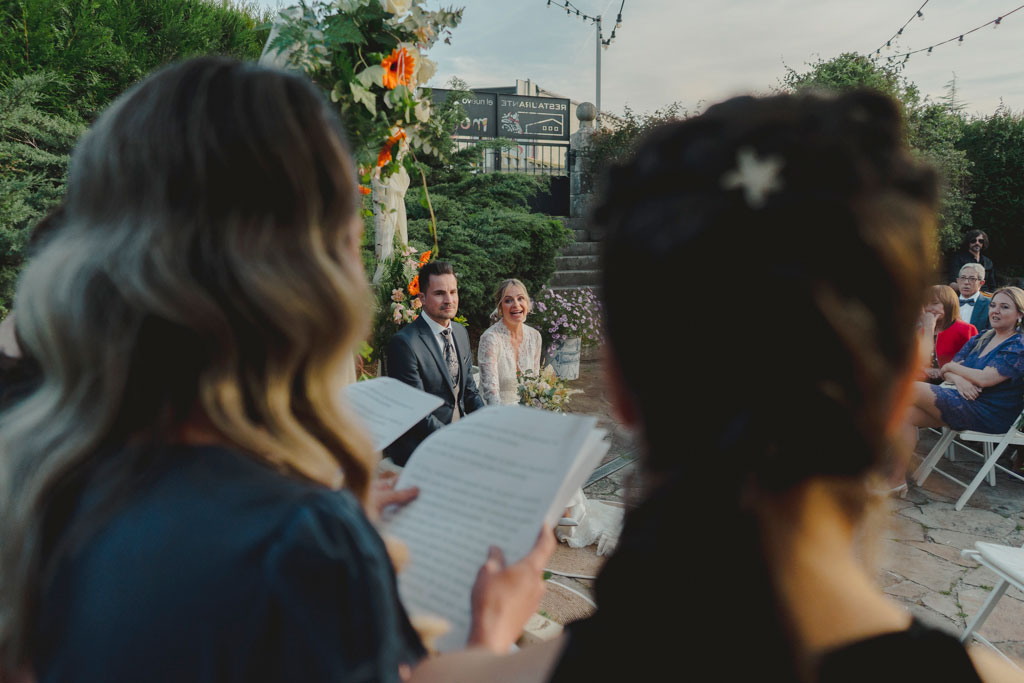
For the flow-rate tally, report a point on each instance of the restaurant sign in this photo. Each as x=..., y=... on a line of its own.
x=511, y=116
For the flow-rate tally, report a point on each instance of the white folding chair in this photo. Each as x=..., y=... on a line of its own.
x=993, y=446
x=1008, y=564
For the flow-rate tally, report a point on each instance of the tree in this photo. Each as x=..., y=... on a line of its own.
x=34, y=152
x=96, y=50
x=995, y=145
x=65, y=61
x=933, y=129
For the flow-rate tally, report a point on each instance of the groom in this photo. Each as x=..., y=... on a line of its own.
x=432, y=354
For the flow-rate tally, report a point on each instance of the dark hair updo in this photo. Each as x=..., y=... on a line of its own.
x=790, y=366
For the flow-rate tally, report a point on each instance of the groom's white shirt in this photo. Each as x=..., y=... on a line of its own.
x=966, y=310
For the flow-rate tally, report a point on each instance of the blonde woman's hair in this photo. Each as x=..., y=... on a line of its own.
x=206, y=269
x=1016, y=295
x=500, y=292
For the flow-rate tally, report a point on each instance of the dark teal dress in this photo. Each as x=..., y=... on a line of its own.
x=218, y=568
x=998, y=406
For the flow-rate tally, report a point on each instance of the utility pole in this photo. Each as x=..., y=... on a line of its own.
x=600, y=42
x=597, y=95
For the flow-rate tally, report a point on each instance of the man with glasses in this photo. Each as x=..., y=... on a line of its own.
x=973, y=302
x=970, y=252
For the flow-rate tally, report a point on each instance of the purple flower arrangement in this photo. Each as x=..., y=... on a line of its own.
x=568, y=313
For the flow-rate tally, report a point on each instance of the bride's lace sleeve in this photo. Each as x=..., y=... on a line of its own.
x=487, y=357
x=532, y=337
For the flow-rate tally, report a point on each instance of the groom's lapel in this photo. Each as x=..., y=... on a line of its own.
x=427, y=337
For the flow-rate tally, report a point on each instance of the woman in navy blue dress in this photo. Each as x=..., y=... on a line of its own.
x=984, y=383
x=183, y=497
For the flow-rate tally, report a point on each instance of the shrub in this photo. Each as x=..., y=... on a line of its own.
x=486, y=230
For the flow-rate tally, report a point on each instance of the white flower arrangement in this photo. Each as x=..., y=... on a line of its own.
x=546, y=391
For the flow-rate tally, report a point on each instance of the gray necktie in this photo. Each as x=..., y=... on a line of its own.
x=449, y=355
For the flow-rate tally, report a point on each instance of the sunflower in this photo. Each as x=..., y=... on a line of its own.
x=425, y=257
x=398, y=68
x=414, y=286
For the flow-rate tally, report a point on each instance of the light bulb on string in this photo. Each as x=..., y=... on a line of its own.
x=960, y=42
x=920, y=15
x=888, y=45
x=900, y=32
x=929, y=52
x=618, y=22
x=995, y=24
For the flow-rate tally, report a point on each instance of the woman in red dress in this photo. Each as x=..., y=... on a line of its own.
x=943, y=332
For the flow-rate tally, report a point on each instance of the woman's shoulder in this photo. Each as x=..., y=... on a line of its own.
x=963, y=329
x=496, y=331
x=532, y=331
x=918, y=650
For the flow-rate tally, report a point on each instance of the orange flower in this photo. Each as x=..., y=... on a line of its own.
x=425, y=257
x=400, y=135
x=398, y=68
x=384, y=157
x=414, y=286
x=364, y=190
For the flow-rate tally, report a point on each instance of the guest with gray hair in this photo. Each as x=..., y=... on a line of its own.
x=973, y=302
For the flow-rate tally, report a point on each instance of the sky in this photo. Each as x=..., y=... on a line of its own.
x=697, y=52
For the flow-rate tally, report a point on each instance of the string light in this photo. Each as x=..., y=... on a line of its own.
x=918, y=15
x=959, y=38
x=571, y=8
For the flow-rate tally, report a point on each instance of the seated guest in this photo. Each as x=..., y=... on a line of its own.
x=987, y=375
x=942, y=331
x=768, y=479
x=973, y=302
x=184, y=497
x=432, y=354
x=768, y=475
x=970, y=252
x=509, y=346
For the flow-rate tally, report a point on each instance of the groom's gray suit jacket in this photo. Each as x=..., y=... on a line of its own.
x=414, y=357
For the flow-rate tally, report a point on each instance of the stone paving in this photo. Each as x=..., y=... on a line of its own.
x=918, y=551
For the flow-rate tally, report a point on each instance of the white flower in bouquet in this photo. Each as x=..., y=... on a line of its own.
x=396, y=7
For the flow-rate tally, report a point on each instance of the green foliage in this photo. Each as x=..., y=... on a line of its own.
x=616, y=143
x=933, y=128
x=850, y=70
x=369, y=58
x=934, y=131
x=64, y=61
x=98, y=49
x=486, y=229
x=995, y=145
x=34, y=149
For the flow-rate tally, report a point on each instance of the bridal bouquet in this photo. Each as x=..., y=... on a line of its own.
x=546, y=391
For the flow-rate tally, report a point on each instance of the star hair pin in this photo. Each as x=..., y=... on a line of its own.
x=757, y=177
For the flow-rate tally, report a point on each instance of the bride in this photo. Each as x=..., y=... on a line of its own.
x=509, y=347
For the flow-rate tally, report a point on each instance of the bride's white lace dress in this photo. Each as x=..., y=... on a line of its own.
x=499, y=385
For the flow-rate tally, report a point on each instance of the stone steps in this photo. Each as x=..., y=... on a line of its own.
x=576, y=278
x=577, y=262
x=581, y=249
